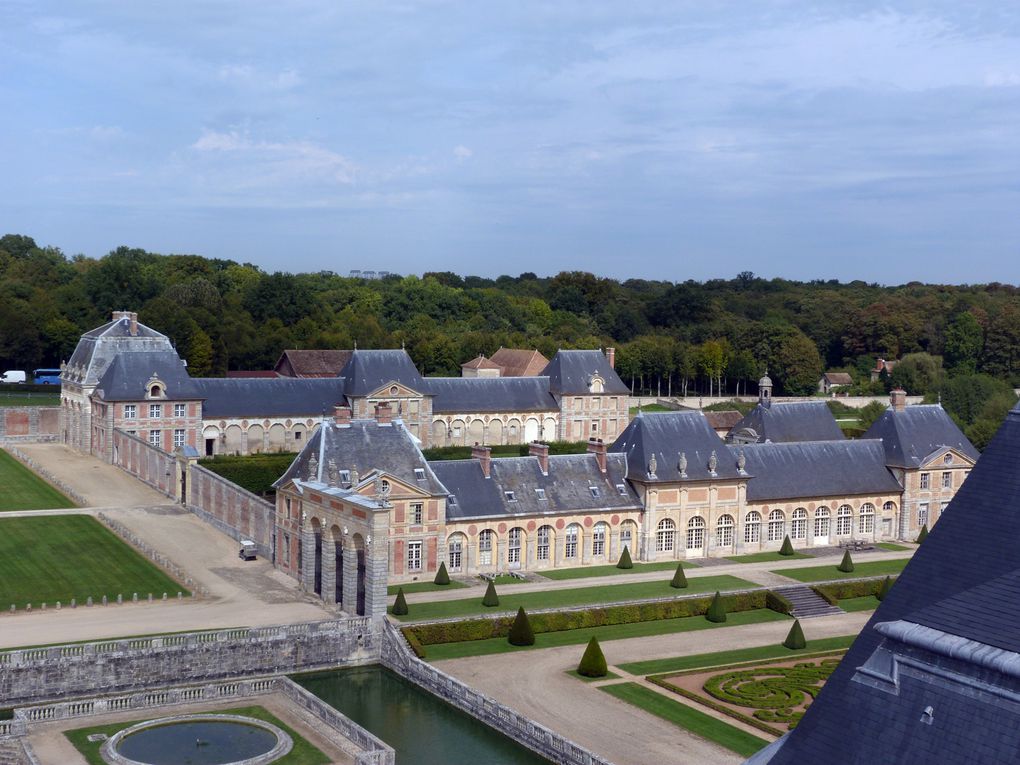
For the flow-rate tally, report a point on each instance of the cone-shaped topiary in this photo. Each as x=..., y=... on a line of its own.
x=625, y=561
x=679, y=580
x=399, y=605
x=491, y=598
x=884, y=589
x=520, y=631
x=795, y=639
x=787, y=548
x=716, y=610
x=441, y=576
x=847, y=564
x=923, y=535
x=593, y=663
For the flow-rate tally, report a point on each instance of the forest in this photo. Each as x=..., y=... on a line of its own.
x=960, y=343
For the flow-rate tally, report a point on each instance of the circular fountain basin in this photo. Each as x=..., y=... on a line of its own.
x=205, y=739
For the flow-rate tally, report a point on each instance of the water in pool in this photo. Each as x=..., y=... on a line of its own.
x=197, y=743
x=422, y=729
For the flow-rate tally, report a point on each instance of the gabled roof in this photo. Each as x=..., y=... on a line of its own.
x=838, y=378
x=312, y=363
x=367, y=371
x=519, y=363
x=911, y=435
x=259, y=397
x=723, y=420
x=98, y=347
x=790, y=421
x=570, y=372
x=489, y=394
x=480, y=362
x=127, y=376
x=666, y=435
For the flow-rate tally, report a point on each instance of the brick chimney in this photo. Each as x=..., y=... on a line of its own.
x=540, y=450
x=898, y=399
x=383, y=412
x=484, y=456
x=597, y=447
x=341, y=415
x=611, y=357
x=134, y=323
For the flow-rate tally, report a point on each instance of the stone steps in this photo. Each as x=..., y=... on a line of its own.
x=806, y=602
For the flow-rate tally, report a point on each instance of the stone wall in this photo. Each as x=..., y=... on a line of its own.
x=29, y=423
x=145, y=462
x=118, y=666
x=231, y=509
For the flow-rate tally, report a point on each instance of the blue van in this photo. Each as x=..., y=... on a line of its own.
x=46, y=377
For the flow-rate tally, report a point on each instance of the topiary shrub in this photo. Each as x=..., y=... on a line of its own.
x=923, y=535
x=847, y=564
x=593, y=662
x=716, y=610
x=625, y=561
x=884, y=589
x=520, y=631
x=399, y=605
x=490, y=599
x=679, y=580
x=787, y=548
x=795, y=638
x=442, y=577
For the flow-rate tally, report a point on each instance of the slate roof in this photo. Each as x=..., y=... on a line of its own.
x=259, y=397
x=519, y=363
x=126, y=377
x=570, y=372
x=480, y=362
x=666, y=435
x=567, y=486
x=312, y=363
x=912, y=435
x=367, y=371
x=98, y=347
x=968, y=563
x=816, y=469
x=792, y=421
x=489, y=394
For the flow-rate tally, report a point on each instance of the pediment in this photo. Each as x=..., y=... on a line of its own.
x=936, y=460
x=366, y=485
x=394, y=389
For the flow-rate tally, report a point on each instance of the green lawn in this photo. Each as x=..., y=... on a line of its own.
x=650, y=408
x=303, y=752
x=762, y=557
x=21, y=489
x=822, y=573
x=30, y=399
x=583, y=596
x=685, y=717
x=866, y=603
x=723, y=658
x=464, y=648
x=51, y=558
x=892, y=547
x=410, y=587
x=612, y=570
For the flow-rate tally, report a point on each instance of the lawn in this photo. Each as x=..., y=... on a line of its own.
x=823, y=573
x=723, y=658
x=441, y=651
x=24, y=490
x=303, y=752
x=866, y=603
x=612, y=570
x=583, y=596
x=765, y=557
x=650, y=408
x=51, y=558
x=30, y=399
x=410, y=587
x=683, y=716
x=892, y=547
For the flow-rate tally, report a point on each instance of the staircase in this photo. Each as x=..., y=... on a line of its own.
x=806, y=602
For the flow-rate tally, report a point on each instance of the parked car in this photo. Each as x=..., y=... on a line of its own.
x=13, y=376
x=46, y=377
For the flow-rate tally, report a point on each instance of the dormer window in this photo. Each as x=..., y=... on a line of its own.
x=419, y=474
x=155, y=391
x=947, y=460
x=154, y=388
x=596, y=384
x=540, y=493
x=595, y=493
x=622, y=489
x=345, y=476
x=510, y=496
x=451, y=501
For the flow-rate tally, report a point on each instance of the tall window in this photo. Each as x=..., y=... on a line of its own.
x=844, y=520
x=155, y=411
x=485, y=547
x=889, y=507
x=866, y=520
x=695, y=533
x=922, y=513
x=156, y=438
x=455, y=552
x=130, y=411
x=416, y=509
x=180, y=410
x=798, y=524
x=947, y=480
x=627, y=537
x=598, y=540
x=513, y=552
x=570, y=546
x=752, y=527
x=777, y=525
x=178, y=437
x=822, y=522
x=414, y=556
x=665, y=536
x=544, y=537
x=724, y=531
x=925, y=480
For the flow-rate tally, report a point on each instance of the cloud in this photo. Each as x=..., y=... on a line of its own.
x=462, y=153
x=248, y=76
x=280, y=160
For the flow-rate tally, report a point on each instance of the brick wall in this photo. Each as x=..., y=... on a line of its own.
x=29, y=423
x=234, y=511
x=147, y=463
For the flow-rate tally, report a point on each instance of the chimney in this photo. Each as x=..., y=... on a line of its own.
x=540, y=450
x=383, y=412
x=611, y=357
x=341, y=415
x=597, y=447
x=134, y=323
x=117, y=315
x=484, y=456
x=898, y=399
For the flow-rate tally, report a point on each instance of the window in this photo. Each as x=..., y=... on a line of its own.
x=345, y=476
x=414, y=556
x=596, y=403
x=665, y=536
x=155, y=411
x=156, y=438
x=542, y=548
x=844, y=520
x=622, y=489
x=866, y=520
x=822, y=522
x=752, y=527
x=540, y=493
x=598, y=540
x=798, y=524
x=297, y=435
x=178, y=437
x=513, y=552
x=180, y=410
x=594, y=427
x=451, y=500
x=695, y=533
x=594, y=491
x=130, y=411
x=947, y=460
x=485, y=547
x=419, y=474
x=777, y=526
x=155, y=391
x=416, y=512
x=922, y=513
x=455, y=553
x=947, y=480
x=570, y=546
x=286, y=549
x=724, y=531
x=510, y=496
x=925, y=480
x=889, y=507
x=626, y=537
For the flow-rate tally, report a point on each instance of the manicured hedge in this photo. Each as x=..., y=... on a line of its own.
x=256, y=473
x=835, y=592
x=777, y=602
x=513, y=450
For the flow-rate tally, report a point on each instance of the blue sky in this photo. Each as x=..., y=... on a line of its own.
x=667, y=140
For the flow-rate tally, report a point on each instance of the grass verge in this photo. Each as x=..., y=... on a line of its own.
x=892, y=547
x=410, y=587
x=765, y=557
x=823, y=573
x=24, y=490
x=612, y=570
x=865, y=603
x=578, y=676
x=29, y=399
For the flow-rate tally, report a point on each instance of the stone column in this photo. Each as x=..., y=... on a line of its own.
x=329, y=571
x=376, y=569
x=586, y=543
x=308, y=559
x=350, y=577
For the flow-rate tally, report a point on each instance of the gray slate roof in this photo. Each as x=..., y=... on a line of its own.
x=816, y=469
x=97, y=348
x=367, y=371
x=668, y=434
x=566, y=486
x=914, y=434
x=268, y=397
x=490, y=394
x=126, y=377
x=792, y=421
x=570, y=372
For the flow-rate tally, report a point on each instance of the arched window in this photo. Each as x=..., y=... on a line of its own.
x=777, y=525
x=844, y=520
x=455, y=552
x=513, y=550
x=598, y=540
x=485, y=547
x=798, y=524
x=752, y=527
x=724, y=531
x=889, y=507
x=822, y=522
x=627, y=536
x=545, y=535
x=665, y=536
x=695, y=533
x=570, y=546
x=866, y=522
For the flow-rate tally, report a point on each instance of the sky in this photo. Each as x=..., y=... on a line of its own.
x=664, y=140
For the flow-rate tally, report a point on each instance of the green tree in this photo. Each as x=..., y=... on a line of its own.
x=923, y=535
x=716, y=610
x=679, y=580
x=919, y=374
x=442, y=577
x=593, y=661
x=964, y=341
x=625, y=561
x=520, y=631
x=787, y=548
x=796, y=365
x=400, y=604
x=795, y=637
x=847, y=564
x=490, y=599
x=200, y=354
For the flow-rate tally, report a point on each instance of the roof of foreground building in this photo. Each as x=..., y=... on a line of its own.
x=367, y=371
x=912, y=435
x=667, y=437
x=97, y=348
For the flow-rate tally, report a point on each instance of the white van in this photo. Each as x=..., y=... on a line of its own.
x=13, y=376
